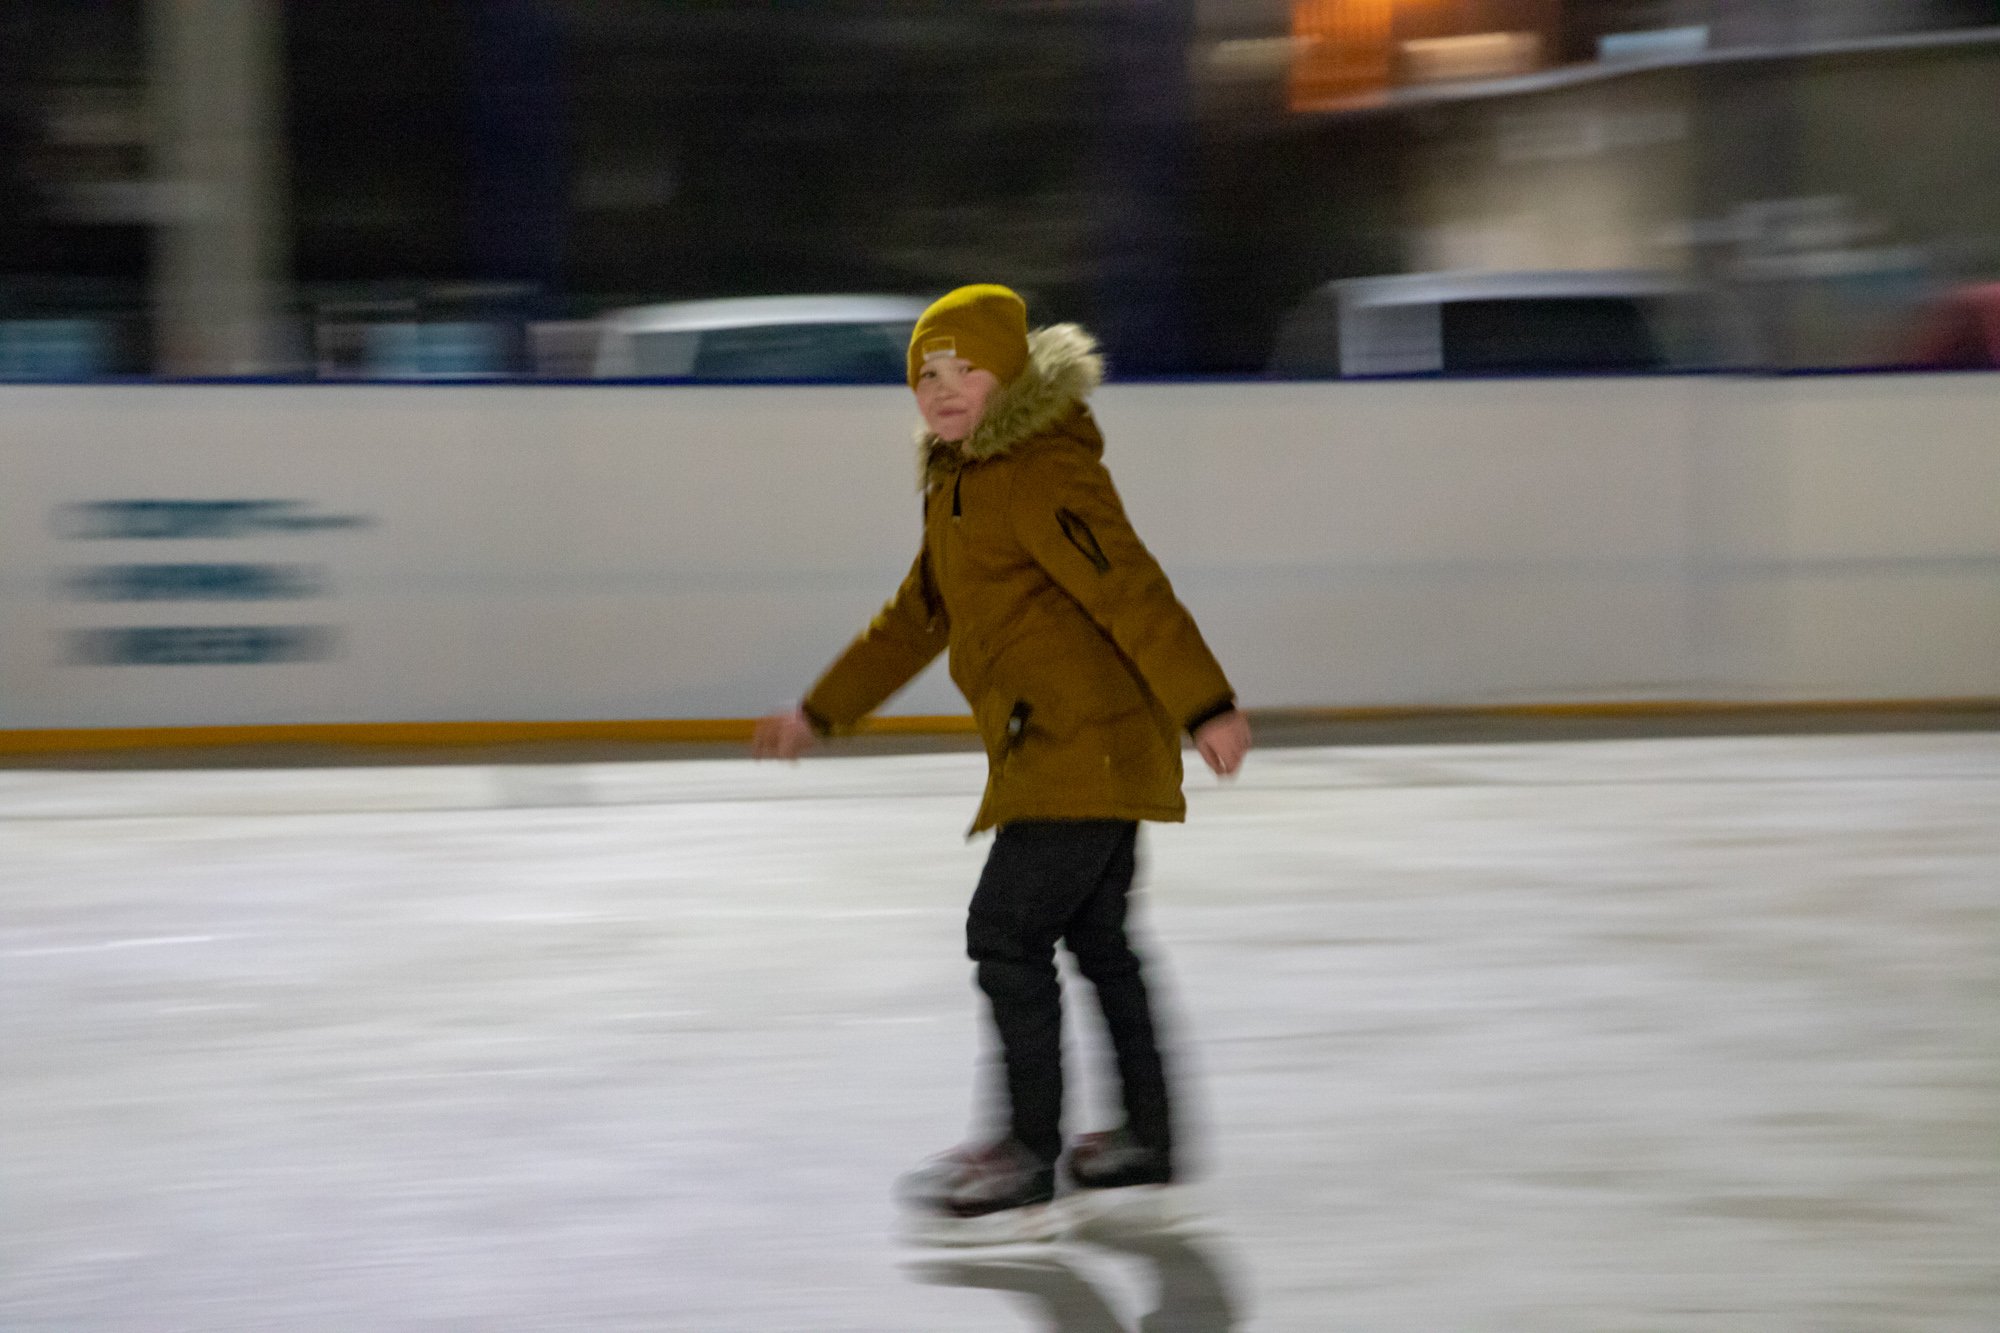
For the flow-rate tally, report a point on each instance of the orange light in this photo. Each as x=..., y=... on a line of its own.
x=1347, y=50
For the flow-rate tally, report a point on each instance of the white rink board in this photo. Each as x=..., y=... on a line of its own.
x=446, y=553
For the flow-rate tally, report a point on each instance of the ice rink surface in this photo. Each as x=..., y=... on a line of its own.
x=1631, y=1036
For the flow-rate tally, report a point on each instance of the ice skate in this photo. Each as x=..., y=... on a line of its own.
x=1119, y=1185
x=993, y=1194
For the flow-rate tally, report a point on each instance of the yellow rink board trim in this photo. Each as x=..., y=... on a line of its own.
x=437, y=735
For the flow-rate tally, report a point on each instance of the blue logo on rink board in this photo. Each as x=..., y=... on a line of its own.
x=201, y=645
x=195, y=583
x=166, y=520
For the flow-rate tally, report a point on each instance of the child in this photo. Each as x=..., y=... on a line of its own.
x=1082, y=670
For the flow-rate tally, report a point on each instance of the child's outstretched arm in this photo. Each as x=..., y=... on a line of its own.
x=906, y=635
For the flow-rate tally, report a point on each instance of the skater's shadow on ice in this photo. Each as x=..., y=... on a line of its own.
x=1190, y=1295
x=1062, y=1296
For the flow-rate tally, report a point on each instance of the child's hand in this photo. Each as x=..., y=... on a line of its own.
x=783, y=735
x=1223, y=741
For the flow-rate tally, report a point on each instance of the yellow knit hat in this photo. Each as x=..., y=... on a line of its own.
x=985, y=324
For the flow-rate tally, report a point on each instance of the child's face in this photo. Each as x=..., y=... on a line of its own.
x=952, y=395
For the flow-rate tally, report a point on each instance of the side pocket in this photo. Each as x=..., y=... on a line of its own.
x=1017, y=723
x=1083, y=539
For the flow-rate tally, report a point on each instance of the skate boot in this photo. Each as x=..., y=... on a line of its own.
x=996, y=1194
x=1116, y=1160
x=1120, y=1184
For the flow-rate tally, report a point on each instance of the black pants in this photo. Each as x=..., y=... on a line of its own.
x=1050, y=880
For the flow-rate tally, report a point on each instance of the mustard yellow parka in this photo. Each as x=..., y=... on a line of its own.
x=1081, y=666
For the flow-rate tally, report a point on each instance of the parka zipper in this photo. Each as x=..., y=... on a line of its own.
x=933, y=599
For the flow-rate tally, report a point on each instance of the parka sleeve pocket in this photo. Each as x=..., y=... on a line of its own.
x=1083, y=539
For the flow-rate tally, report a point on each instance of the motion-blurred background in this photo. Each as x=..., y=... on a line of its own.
x=434, y=1005
x=374, y=188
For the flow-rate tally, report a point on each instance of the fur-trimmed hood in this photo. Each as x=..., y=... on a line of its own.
x=1064, y=367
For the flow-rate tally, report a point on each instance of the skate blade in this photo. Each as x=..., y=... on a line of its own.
x=1036, y=1224
x=1133, y=1210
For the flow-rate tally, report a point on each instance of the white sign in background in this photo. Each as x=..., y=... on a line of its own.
x=217, y=555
